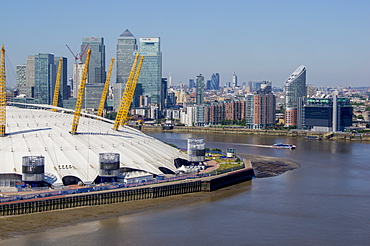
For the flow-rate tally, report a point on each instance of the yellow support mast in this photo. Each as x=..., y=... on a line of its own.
x=127, y=95
x=57, y=84
x=105, y=90
x=81, y=94
x=131, y=92
x=2, y=93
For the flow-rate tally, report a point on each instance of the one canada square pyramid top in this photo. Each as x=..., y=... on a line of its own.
x=126, y=33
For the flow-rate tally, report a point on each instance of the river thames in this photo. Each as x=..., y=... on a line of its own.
x=326, y=201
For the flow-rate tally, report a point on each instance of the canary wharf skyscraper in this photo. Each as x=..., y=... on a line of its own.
x=45, y=73
x=295, y=88
x=97, y=58
x=126, y=46
x=151, y=71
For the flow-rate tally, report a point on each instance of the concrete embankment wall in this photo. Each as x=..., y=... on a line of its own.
x=125, y=194
x=227, y=179
x=334, y=136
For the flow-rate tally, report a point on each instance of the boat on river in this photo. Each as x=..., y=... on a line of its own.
x=283, y=146
x=313, y=137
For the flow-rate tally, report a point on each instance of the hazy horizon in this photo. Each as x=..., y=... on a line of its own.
x=259, y=40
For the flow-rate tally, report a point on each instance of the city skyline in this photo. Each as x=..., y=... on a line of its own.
x=261, y=40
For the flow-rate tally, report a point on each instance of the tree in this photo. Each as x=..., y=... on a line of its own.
x=217, y=150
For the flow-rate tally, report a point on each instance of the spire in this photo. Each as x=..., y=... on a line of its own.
x=126, y=33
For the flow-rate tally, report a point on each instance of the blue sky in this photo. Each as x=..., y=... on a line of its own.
x=259, y=40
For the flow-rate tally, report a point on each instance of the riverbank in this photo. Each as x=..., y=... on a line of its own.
x=266, y=166
x=36, y=222
x=245, y=131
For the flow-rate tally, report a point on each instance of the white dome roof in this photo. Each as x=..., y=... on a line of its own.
x=40, y=132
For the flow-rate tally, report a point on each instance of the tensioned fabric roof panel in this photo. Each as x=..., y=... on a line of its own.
x=41, y=132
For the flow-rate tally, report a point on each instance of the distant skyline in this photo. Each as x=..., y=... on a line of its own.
x=259, y=40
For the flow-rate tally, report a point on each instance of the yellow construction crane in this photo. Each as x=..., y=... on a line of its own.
x=128, y=94
x=2, y=93
x=80, y=96
x=105, y=90
x=57, y=85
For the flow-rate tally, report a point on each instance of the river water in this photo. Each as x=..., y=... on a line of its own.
x=326, y=201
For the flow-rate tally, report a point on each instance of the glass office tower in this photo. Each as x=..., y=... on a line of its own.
x=126, y=46
x=151, y=71
x=97, y=58
x=45, y=67
x=191, y=83
x=215, y=82
x=328, y=114
x=45, y=75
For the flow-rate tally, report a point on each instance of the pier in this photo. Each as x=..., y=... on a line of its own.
x=205, y=184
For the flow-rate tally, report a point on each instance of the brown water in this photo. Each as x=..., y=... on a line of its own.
x=324, y=202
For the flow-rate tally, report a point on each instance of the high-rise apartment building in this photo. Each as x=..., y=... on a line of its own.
x=199, y=115
x=249, y=109
x=200, y=89
x=214, y=113
x=151, y=71
x=188, y=116
x=294, y=87
x=264, y=108
x=78, y=69
x=126, y=46
x=97, y=58
x=233, y=110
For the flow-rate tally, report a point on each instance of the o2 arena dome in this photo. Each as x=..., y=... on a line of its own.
x=39, y=139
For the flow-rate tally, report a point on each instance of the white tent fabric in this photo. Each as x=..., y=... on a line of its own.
x=41, y=132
